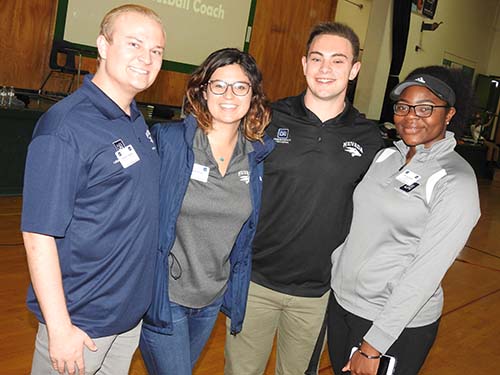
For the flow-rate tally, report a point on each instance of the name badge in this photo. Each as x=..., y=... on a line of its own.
x=408, y=188
x=408, y=177
x=200, y=173
x=127, y=156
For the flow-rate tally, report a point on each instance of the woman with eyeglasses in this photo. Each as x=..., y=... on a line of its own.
x=211, y=181
x=413, y=213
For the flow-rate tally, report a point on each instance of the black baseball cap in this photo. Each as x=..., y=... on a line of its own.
x=438, y=87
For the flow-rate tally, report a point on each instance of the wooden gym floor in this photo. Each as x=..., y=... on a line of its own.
x=466, y=343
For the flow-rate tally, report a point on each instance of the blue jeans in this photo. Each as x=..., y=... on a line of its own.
x=176, y=354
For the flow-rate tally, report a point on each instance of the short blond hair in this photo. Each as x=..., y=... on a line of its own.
x=109, y=19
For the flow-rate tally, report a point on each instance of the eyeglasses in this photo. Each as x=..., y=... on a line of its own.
x=220, y=87
x=421, y=110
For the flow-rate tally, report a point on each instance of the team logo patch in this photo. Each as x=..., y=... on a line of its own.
x=244, y=176
x=282, y=136
x=353, y=148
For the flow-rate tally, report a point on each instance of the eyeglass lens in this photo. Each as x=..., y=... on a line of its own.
x=220, y=87
x=421, y=110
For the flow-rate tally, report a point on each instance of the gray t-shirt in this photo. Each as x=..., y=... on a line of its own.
x=212, y=214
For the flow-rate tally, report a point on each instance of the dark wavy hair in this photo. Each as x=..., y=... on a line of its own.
x=258, y=116
x=461, y=86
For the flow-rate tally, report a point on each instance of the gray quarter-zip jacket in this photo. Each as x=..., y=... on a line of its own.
x=409, y=224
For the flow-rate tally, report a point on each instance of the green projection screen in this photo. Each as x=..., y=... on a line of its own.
x=194, y=28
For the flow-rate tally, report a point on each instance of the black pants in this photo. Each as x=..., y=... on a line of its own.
x=346, y=330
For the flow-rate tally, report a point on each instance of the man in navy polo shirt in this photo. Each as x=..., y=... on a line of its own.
x=90, y=207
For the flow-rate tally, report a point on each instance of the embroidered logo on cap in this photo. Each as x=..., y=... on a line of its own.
x=420, y=79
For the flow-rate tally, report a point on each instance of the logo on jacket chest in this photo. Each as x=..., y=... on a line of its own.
x=352, y=148
x=282, y=136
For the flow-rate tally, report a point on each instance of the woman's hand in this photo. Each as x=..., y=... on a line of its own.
x=360, y=364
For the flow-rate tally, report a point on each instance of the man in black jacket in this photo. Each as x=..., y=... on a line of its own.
x=324, y=146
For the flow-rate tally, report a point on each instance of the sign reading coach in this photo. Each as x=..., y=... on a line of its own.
x=197, y=6
x=195, y=28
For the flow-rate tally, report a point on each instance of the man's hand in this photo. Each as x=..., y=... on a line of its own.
x=66, y=349
x=66, y=341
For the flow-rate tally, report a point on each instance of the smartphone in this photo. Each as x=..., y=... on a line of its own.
x=386, y=366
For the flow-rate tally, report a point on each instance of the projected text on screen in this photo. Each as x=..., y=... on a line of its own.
x=194, y=28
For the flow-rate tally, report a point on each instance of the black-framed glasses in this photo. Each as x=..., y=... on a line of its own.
x=219, y=87
x=421, y=110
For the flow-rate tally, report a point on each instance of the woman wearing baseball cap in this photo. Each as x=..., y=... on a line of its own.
x=413, y=213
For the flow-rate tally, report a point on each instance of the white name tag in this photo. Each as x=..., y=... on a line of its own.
x=127, y=156
x=408, y=177
x=200, y=173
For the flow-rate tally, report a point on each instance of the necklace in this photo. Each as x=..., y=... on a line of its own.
x=221, y=159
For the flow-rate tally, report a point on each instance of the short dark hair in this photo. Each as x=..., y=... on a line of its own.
x=338, y=29
x=461, y=86
x=257, y=117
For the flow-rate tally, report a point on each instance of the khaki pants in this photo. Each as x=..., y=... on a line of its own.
x=297, y=322
x=113, y=355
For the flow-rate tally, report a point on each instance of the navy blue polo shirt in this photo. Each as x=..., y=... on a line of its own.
x=85, y=186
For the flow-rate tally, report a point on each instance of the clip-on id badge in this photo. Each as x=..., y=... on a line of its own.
x=127, y=156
